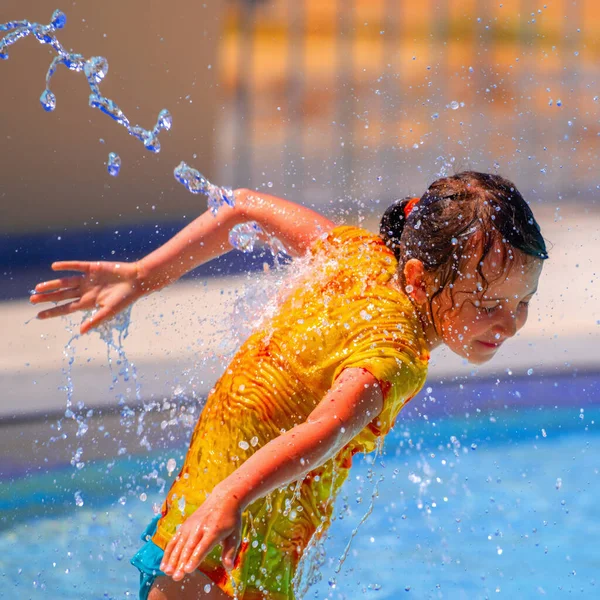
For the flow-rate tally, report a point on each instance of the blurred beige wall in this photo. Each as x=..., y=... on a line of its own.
x=52, y=165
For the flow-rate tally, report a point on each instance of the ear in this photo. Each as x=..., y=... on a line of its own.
x=414, y=275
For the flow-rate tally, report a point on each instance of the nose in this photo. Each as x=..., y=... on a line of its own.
x=508, y=326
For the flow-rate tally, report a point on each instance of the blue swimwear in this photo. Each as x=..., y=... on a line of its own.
x=148, y=559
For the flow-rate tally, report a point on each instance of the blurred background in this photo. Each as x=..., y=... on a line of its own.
x=344, y=107
x=360, y=100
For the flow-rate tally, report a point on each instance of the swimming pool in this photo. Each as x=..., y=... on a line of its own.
x=488, y=489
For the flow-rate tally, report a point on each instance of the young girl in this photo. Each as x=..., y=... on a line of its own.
x=329, y=373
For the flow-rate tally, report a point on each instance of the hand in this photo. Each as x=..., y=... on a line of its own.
x=218, y=520
x=108, y=287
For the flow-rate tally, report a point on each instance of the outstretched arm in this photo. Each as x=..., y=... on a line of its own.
x=354, y=400
x=109, y=287
x=208, y=236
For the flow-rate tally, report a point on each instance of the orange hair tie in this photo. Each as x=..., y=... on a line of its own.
x=408, y=208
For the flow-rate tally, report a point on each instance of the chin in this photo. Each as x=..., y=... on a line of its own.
x=474, y=357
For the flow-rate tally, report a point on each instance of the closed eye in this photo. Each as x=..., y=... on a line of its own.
x=490, y=309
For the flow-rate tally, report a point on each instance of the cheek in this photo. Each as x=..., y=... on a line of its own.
x=466, y=321
x=472, y=324
x=522, y=317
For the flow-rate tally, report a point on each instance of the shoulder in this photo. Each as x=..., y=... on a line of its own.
x=350, y=238
x=344, y=233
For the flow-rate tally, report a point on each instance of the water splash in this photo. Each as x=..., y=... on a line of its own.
x=313, y=558
x=196, y=183
x=247, y=236
x=374, y=495
x=95, y=70
x=112, y=333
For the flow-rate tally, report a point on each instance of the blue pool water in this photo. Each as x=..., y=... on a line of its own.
x=499, y=502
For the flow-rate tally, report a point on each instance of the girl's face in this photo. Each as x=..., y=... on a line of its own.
x=474, y=321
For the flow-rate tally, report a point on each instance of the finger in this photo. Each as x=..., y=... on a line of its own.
x=199, y=554
x=71, y=265
x=63, y=309
x=167, y=554
x=174, y=558
x=187, y=550
x=55, y=296
x=231, y=545
x=165, y=563
x=191, y=546
x=57, y=284
x=178, y=561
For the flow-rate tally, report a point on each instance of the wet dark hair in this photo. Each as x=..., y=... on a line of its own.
x=442, y=222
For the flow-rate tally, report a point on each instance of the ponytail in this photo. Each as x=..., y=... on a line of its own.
x=393, y=221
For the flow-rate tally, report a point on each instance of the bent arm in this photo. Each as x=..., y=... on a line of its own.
x=354, y=400
x=208, y=236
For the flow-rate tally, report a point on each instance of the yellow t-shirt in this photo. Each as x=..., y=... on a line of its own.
x=345, y=315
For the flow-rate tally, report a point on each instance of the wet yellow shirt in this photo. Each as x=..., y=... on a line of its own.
x=345, y=315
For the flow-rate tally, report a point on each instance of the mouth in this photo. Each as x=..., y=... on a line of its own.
x=489, y=344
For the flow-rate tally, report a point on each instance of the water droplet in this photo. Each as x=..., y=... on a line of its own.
x=454, y=105
x=165, y=120
x=529, y=371
x=114, y=164
x=59, y=19
x=171, y=466
x=559, y=103
x=78, y=498
x=244, y=445
x=48, y=100
x=435, y=115
x=207, y=588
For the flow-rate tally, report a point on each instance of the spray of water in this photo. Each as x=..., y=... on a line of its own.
x=244, y=238
x=95, y=70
